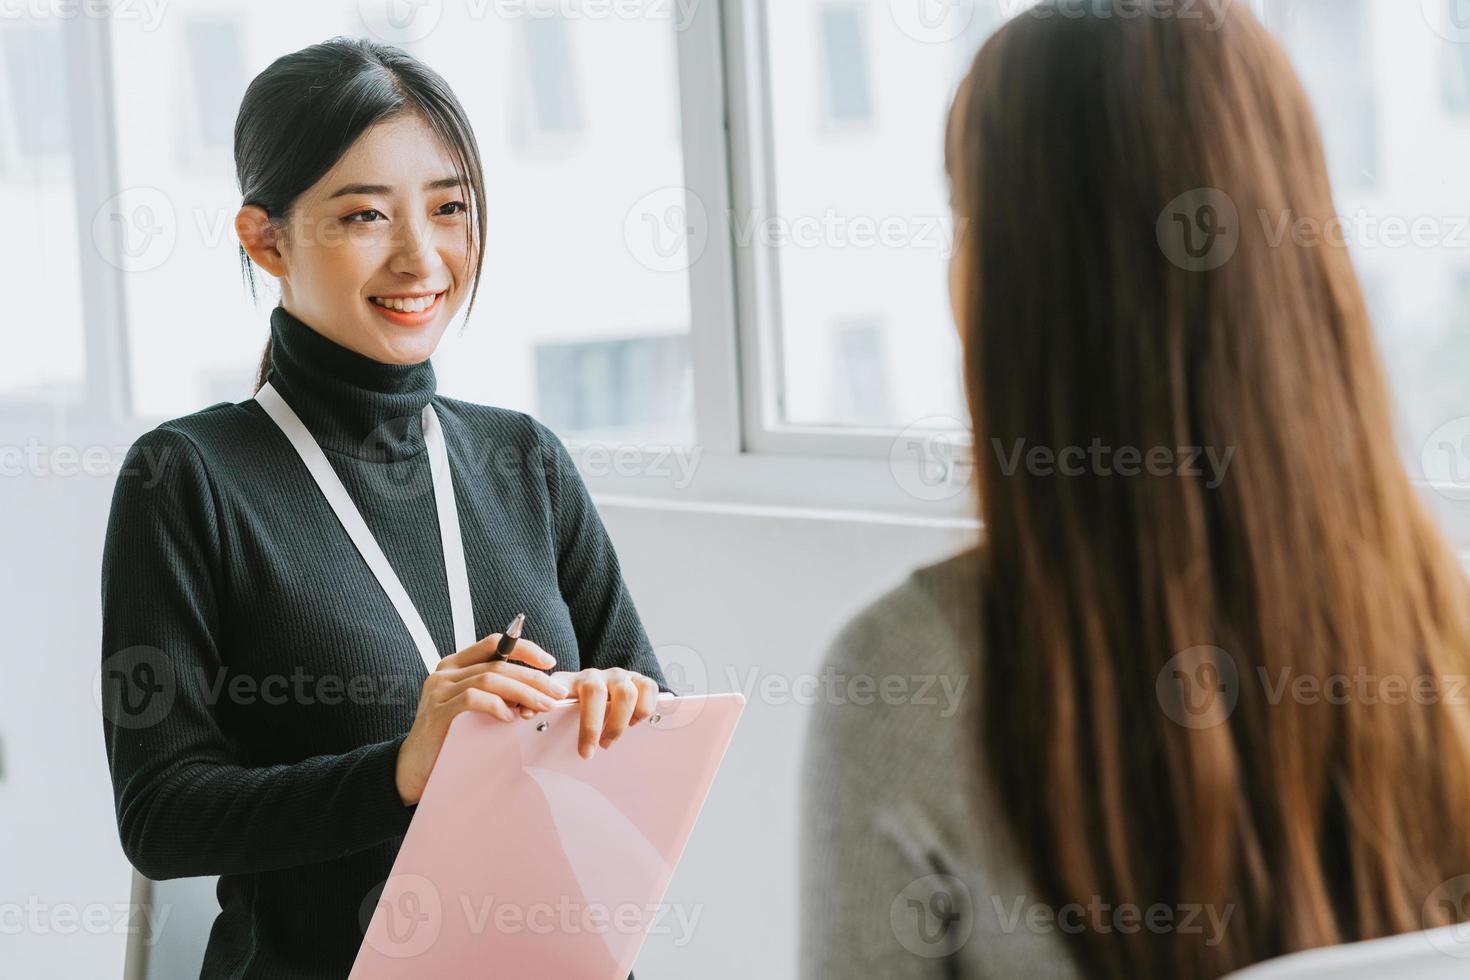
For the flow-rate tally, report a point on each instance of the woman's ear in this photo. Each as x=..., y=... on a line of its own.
x=257, y=233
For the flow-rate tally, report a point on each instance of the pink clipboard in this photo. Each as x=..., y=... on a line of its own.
x=525, y=860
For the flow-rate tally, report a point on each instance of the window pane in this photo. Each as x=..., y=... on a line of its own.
x=1390, y=83
x=844, y=53
x=861, y=225
x=47, y=360
x=576, y=116
x=1383, y=84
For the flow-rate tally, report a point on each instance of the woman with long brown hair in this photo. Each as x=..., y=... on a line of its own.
x=1213, y=640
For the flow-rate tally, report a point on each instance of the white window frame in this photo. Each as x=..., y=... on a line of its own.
x=748, y=457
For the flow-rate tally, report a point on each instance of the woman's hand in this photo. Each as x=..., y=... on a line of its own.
x=612, y=699
x=464, y=681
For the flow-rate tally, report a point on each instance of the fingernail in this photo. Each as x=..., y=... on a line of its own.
x=589, y=752
x=561, y=692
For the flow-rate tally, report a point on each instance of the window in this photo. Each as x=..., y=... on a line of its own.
x=1331, y=43
x=858, y=218
x=723, y=224
x=861, y=385
x=34, y=68
x=216, y=67
x=845, y=60
x=45, y=361
x=1455, y=71
x=551, y=75
x=1397, y=159
x=605, y=388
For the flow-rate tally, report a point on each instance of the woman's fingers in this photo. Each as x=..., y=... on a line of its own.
x=525, y=651
x=647, y=698
x=622, y=698
x=506, y=687
x=592, y=691
x=544, y=683
x=475, y=699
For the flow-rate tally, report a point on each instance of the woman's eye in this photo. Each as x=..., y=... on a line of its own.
x=364, y=217
x=458, y=207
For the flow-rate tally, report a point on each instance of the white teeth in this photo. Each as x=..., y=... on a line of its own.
x=417, y=305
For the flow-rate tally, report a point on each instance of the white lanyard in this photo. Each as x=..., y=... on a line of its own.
x=331, y=486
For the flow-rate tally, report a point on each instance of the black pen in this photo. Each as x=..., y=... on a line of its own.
x=508, y=639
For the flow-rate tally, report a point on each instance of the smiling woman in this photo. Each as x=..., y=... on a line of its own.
x=349, y=528
x=350, y=170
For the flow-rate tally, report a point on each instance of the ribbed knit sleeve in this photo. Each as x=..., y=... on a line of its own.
x=185, y=806
x=609, y=632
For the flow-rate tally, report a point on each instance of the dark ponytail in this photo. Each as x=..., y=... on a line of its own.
x=265, y=364
x=305, y=111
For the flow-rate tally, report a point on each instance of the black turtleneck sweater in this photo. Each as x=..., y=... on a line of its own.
x=257, y=682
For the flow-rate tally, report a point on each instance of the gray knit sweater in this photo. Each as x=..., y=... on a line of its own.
x=906, y=870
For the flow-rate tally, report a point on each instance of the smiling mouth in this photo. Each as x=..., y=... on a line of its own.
x=407, y=304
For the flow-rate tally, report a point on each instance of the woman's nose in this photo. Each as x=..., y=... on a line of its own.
x=414, y=254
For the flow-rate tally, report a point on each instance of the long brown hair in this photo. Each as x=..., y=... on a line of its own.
x=1097, y=323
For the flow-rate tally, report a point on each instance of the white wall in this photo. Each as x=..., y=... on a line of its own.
x=745, y=591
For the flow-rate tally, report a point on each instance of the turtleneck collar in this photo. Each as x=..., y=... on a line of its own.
x=351, y=403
